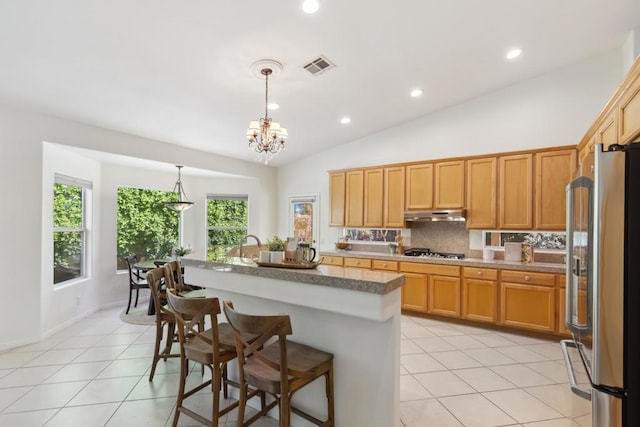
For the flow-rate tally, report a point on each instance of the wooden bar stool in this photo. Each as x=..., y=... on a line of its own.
x=213, y=348
x=279, y=368
x=164, y=317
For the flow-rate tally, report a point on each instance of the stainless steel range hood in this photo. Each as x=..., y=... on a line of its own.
x=435, y=215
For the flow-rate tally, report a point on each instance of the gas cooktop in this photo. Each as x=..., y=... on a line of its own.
x=426, y=253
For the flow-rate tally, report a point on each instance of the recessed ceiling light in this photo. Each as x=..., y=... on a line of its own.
x=416, y=93
x=310, y=6
x=514, y=53
x=345, y=120
x=273, y=106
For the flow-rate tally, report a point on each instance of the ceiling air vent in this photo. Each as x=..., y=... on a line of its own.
x=319, y=65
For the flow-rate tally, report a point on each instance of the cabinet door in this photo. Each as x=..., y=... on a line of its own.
x=419, y=186
x=481, y=193
x=554, y=170
x=479, y=300
x=528, y=306
x=394, y=197
x=414, y=292
x=607, y=133
x=516, y=192
x=354, y=215
x=373, y=191
x=336, y=198
x=449, y=185
x=444, y=295
x=629, y=113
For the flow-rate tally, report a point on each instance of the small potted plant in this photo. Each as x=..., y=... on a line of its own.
x=276, y=249
x=180, y=251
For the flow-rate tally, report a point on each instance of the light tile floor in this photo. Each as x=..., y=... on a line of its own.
x=453, y=374
x=95, y=373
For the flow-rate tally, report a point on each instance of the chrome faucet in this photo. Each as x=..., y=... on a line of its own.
x=246, y=237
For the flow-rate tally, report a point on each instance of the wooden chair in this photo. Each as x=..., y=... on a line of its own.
x=136, y=281
x=279, y=368
x=164, y=317
x=174, y=277
x=212, y=348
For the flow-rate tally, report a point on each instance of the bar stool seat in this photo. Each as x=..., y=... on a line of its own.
x=280, y=367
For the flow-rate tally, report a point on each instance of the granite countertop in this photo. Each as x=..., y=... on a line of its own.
x=544, y=267
x=377, y=282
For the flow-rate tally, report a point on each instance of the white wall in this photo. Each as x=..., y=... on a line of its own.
x=631, y=49
x=60, y=303
x=551, y=110
x=26, y=169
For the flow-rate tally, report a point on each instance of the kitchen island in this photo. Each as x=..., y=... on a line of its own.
x=354, y=314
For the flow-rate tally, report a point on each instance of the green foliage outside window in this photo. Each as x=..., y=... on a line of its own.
x=227, y=225
x=68, y=233
x=146, y=227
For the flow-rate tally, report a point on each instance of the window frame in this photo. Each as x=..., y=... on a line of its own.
x=84, y=229
x=208, y=228
x=314, y=199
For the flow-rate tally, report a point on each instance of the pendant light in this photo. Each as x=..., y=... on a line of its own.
x=183, y=203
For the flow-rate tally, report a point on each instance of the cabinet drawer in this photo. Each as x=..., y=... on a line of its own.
x=332, y=260
x=440, y=270
x=480, y=273
x=378, y=264
x=357, y=263
x=528, y=277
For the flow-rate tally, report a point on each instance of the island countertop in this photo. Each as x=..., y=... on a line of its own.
x=376, y=282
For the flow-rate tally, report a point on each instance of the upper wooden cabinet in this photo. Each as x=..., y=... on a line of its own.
x=373, y=195
x=354, y=212
x=515, y=191
x=449, y=185
x=336, y=198
x=481, y=193
x=393, y=209
x=419, y=190
x=629, y=111
x=554, y=170
x=607, y=132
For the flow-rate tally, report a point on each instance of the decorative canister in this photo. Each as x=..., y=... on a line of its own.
x=513, y=251
x=527, y=253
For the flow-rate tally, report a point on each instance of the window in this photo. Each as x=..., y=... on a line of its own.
x=227, y=219
x=555, y=241
x=146, y=227
x=303, y=217
x=370, y=235
x=70, y=203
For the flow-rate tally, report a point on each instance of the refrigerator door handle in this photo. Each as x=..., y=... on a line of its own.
x=574, y=264
x=585, y=394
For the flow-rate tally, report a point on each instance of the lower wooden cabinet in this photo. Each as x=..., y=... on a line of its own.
x=528, y=306
x=357, y=263
x=414, y=292
x=480, y=294
x=444, y=296
x=332, y=260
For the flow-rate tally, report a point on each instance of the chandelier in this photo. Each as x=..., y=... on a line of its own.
x=265, y=136
x=183, y=203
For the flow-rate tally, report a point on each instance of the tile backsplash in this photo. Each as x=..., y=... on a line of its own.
x=443, y=236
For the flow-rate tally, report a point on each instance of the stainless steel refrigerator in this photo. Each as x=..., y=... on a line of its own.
x=603, y=285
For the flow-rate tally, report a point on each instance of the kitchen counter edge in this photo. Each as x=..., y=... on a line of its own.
x=375, y=282
x=544, y=267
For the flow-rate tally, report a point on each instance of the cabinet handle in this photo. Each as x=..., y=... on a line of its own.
x=527, y=278
x=479, y=273
x=357, y=262
x=384, y=265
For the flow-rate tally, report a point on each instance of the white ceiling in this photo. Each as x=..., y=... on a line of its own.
x=179, y=71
